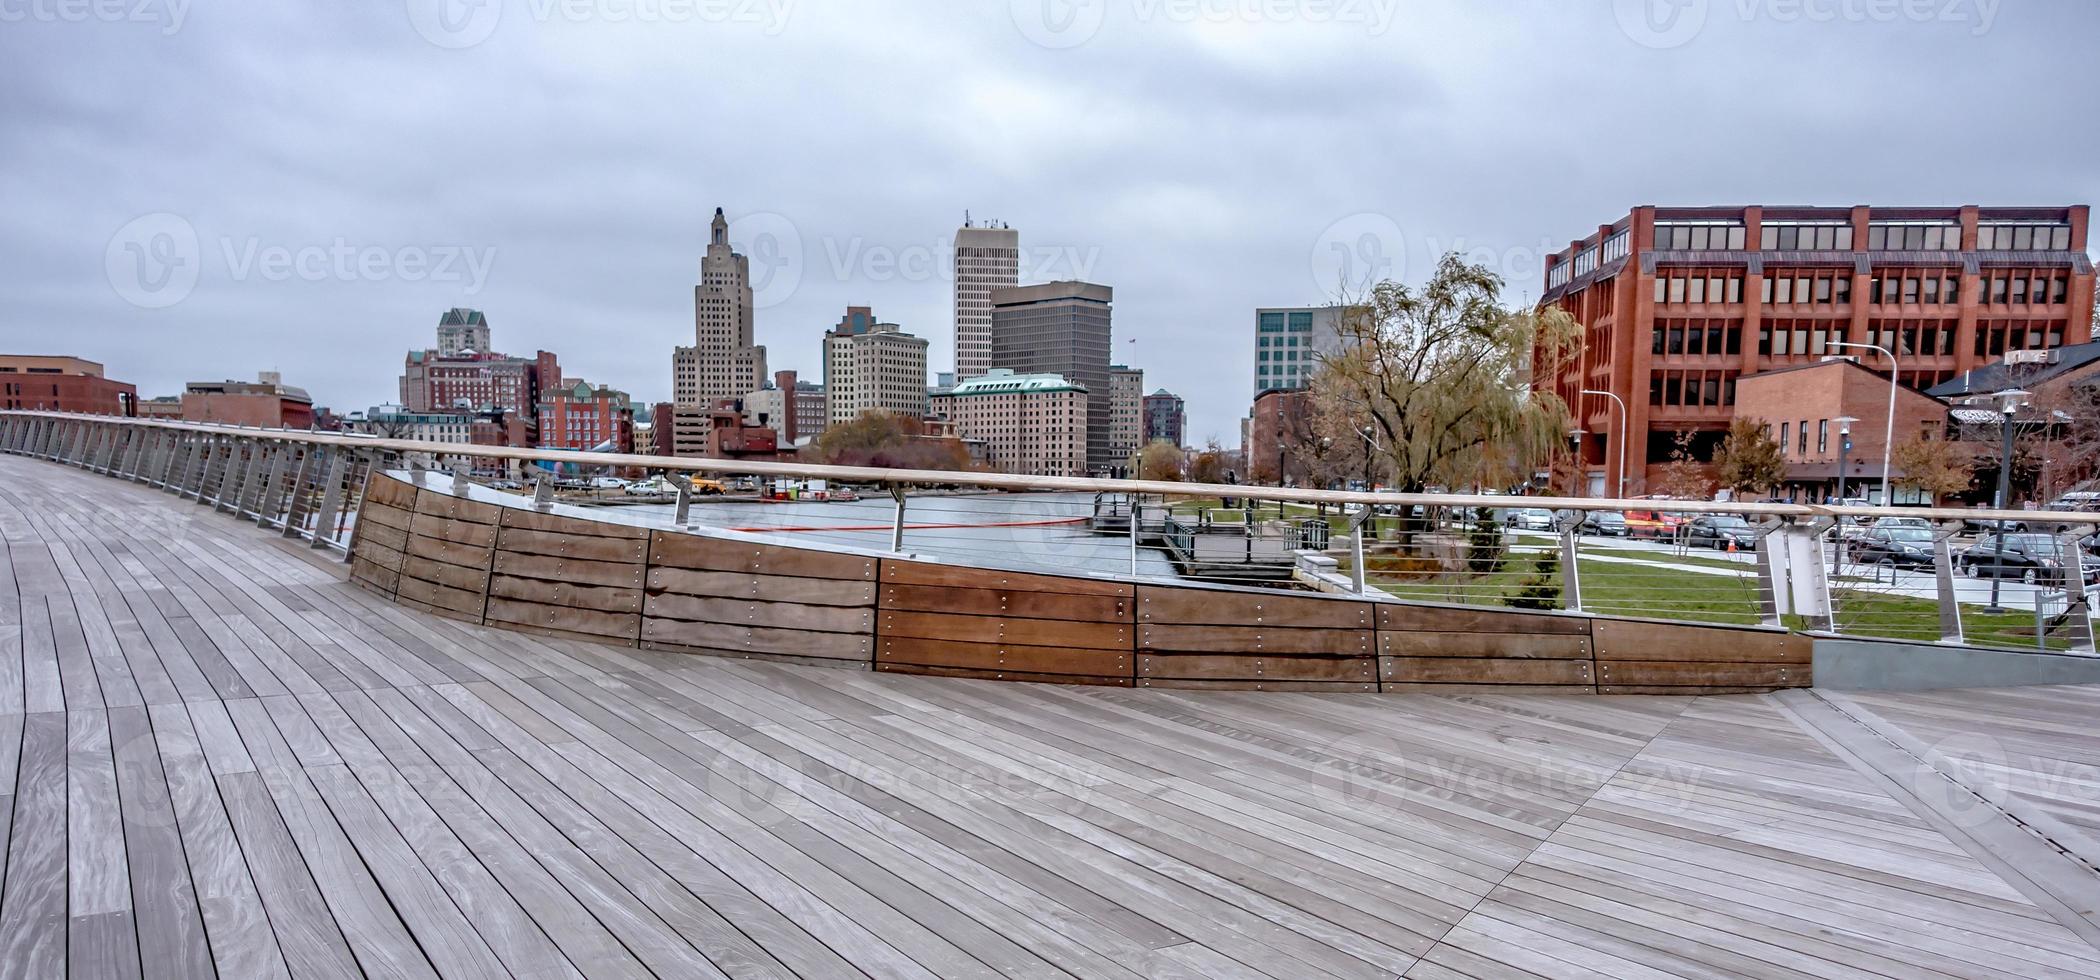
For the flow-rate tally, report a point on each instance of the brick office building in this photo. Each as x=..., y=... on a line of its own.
x=1803, y=408
x=266, y=402
x=1678, y=303
x=38, y=382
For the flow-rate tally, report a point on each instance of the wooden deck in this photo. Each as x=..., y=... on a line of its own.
x=217, y=757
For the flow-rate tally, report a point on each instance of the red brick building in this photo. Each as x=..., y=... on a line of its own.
x=1801, y=407
x=476, y=381
x=36, y=382
x=731, y=436
x=267, y=402
x=1280, y=432
x=1677, y=304
x=587, y=418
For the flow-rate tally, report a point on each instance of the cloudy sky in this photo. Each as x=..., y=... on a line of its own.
x=200, y=189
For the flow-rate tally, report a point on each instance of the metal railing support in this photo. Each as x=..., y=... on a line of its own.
x=331, y=500
x=1137, y=520
x=897, y=518
x=1943, y=577
x=1771, y=576
x=459, y=480
x=684, y=515
x=2078, y=612
x=299, y=503
x=1570, y=561
x=1356, y=549
x=543, y=491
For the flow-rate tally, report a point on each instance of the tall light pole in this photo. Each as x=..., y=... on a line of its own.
x=1844, y=459
x=1622, y=435
x=1888, y=439
x=1575, y=434
x=2010, y=401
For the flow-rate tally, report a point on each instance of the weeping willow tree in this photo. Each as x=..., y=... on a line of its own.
x=1441, y=376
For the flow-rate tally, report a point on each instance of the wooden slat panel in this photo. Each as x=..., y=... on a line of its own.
x=462, y=601
x=433, y=549
x=1007, y=602
x=1256, y=640
x=1521, y=646
x=456, y=576
x=1631, y=640
x=1453, y=670
x=572, y=570
x=520, y=540
x=1667, y=674
x=716, y=637
x=376, y=513
x=990, y=629
x=384, y=580
x=533, y=520
x=1157, y=604
x=585, y=622
x=677, y=550
x=436, y=504
x=770, y=588
x=963, y=577
x=1475, y=619
x=1005, y=675
x=1228, y=667
x=596, y=597
x=744, y=612
x=999, y=657
x=386, y=490
x=1311, y=687
x=373, y=533
x=1394, y=687
x=457, y=532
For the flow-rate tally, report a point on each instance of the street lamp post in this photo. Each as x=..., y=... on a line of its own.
x=1622, y=435
x=2009, y=402
x=1888, y=441
x=1575, y=434
x=1844, y=460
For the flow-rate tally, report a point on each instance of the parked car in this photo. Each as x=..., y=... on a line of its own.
x=1718, y=531
x=1910, y=522
x=1901, y=546
x=2028, y=557
x=1604, y=523
x=607, y=483
x=1653, y=524
x=1530, y=519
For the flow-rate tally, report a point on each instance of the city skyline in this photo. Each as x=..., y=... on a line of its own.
x=1146, y=187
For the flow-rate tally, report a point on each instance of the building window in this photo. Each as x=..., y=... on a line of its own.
x=1823, y=438
x=1784, y=431
x=1699, y=235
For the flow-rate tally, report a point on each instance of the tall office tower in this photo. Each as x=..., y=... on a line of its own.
x=987, y=257
x=1288, y=342
x=1165, y=418
x=461, y=329
x=1060, y=328
x=723, y=361
x=871, y=366
x=1126, y=395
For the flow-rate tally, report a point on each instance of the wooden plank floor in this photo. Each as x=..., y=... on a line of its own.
x=217, y=758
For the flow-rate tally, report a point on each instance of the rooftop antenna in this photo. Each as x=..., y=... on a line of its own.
x=966, y=217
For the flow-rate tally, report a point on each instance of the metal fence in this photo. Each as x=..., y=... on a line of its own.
x=1835, y=569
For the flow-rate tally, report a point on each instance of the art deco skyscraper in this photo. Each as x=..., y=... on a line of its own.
x=986, y=257
x=723, y=361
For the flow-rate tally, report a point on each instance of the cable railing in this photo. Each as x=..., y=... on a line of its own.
x=1915, y=574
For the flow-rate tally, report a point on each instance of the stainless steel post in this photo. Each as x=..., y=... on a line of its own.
x=1137, y=520
x=897, y=518
x=1570, y=567
x=1943, y=575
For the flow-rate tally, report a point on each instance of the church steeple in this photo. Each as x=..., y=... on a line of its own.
x=719, y=234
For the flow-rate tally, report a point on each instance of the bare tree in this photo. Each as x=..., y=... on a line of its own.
x=1749, y=460
x=1935, y=467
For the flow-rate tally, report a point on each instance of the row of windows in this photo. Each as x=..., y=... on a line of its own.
x=1296, y=322
x=1282, y=355
x=1691, y=389
x=1823, y=237
x=1995, y=338
x=2022, y=287
x=1712, y=287
x=1291, y=341
x=2022, y=237
x=1616, y=247
x=1915, y=289
x=1700, y=236
x=1914, y=236
x=1822, y=289
x=1794, y=441
x=1699, y=337
x=1834, y=288
x=1585, y=262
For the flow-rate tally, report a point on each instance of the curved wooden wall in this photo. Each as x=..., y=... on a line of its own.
x=518, y=568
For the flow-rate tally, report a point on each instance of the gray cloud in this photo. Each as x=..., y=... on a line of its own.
x=1192, y=155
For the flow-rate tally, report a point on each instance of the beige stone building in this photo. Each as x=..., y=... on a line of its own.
x=1126, y=422
x=1029, y=423
x=724, y=361
x=872, y=367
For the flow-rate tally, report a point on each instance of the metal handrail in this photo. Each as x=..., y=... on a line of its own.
x=1024, y=482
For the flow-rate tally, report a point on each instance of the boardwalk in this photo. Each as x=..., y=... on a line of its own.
x=218, y=758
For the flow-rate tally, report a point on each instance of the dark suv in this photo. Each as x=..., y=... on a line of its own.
x=2031, y=558
x=1909, y=546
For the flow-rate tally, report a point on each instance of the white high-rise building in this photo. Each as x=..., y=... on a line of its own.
x=872, y=367
x=723, y=362
x=1126, y=423
x=986, y=257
